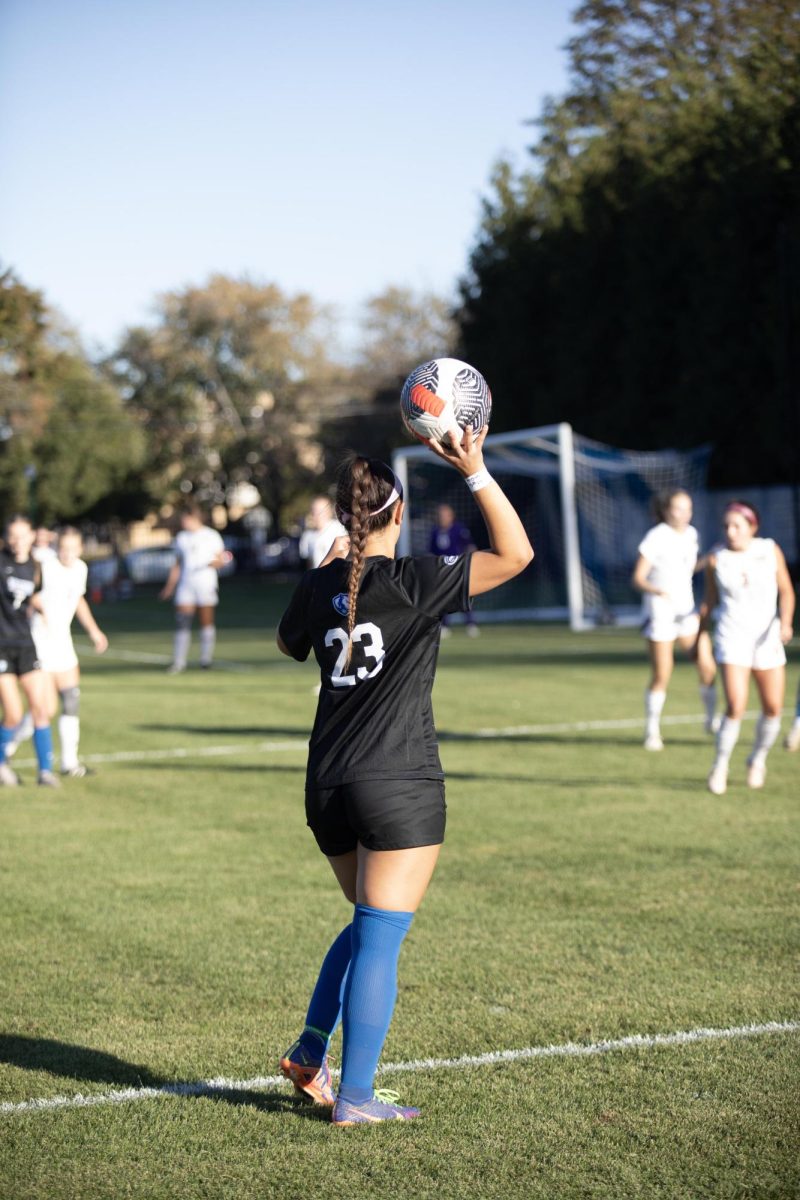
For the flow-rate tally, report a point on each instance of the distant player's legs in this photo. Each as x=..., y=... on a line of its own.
x=771, y=686
x=12, y=715
x=736, y=682
x=66, y=687
x=208, y=633
x=36, y=686
x=662, y=658
x=792, y=741
x=706, y=673
x=184, y=613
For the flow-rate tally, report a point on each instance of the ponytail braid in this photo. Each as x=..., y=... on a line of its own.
x=364, y=503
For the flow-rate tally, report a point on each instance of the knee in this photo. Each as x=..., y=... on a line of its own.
x=70, y=701
x=773, y=710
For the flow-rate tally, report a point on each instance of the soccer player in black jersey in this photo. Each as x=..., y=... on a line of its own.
x=374, y=784
x=20, y=577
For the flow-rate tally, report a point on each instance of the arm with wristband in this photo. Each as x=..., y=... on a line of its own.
x=511, y=550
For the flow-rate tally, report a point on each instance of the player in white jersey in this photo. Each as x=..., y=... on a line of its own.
x=748, y=585
x=321, y=529
x=61, y=599
x=668, y=558
x=193, y=583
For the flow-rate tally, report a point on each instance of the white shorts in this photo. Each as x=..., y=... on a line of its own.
x=667, y=627
x=55, y=651
x=762, y=653
x=196, y=595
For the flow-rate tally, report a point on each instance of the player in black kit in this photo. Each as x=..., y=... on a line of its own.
x=20, y=577
x=374, y=784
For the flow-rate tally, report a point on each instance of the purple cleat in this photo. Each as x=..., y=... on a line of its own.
x=311, y=1079
x=382, y=1107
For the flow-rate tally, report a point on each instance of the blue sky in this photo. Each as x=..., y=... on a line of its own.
x=333, y=148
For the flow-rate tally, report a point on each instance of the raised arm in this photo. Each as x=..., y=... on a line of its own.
x=511, y=550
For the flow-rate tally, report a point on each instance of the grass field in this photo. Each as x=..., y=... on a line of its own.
x=163, y=921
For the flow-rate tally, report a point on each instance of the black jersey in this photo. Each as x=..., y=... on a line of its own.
x=374, y=717
x=18, y=582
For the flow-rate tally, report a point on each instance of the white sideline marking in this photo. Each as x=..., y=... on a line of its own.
x=212, y=1087
x=302, y=741
x=144, y=657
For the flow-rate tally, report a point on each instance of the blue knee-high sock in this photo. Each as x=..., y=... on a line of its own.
x=369, y=996
x=326, y=1001
x=6, y=734
x=43, y=744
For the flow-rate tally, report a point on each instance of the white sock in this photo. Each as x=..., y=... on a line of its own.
x=767, y=730
x=727, y=738
x=653, y=705
x=180, y=652
x=708, y=694
x=24, y=730
x=69, y=734
x=208, y=638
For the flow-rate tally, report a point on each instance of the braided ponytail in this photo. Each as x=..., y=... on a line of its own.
x=364, y=486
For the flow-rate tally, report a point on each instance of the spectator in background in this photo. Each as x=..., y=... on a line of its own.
x=320, y=530
x=450, y=539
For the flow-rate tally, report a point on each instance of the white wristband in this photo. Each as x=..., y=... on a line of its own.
x=478, y=480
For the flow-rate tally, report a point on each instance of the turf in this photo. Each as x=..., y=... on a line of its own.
x=164, y=919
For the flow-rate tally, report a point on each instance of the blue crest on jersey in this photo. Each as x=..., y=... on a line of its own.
x=341, y=603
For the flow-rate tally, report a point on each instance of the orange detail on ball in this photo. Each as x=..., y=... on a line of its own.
x=426, y=400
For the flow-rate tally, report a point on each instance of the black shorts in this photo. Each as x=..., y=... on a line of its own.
x=381, y=814
x=18, y=658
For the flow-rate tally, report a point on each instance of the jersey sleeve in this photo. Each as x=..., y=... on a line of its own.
x=650, y=545
x=438, y=585
x=293, y=629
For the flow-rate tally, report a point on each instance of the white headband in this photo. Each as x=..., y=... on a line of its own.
x=397, y=493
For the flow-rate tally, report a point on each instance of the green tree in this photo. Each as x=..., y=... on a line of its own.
x=60, y=422
x=640, y=280
x=228, y=386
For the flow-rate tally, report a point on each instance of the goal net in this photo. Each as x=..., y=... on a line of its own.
x=585, y=505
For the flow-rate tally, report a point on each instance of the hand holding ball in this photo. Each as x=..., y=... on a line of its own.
x=442, y=397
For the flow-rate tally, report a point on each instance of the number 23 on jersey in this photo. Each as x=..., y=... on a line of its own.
x=370, y=640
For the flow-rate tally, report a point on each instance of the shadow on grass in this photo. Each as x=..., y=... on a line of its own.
x=82, y=1063
x=260, y=731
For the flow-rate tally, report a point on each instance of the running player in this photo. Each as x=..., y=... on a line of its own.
x=63, y=597
x=20, y=579
x=747, y=581
x=193, y=582
x=663, y=574
x=374, y=784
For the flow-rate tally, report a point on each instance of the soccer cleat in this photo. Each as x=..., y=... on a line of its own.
x=382, y=1107
x=792, y=739
x=756, y=774
x=311, y=1079
x=653, y=742
x=48, y=779
x=8, y=777
x=473, y=631
x=175, y=669
x=79, y=771
x=718, y=779
x=712, y=724
x=206, y=666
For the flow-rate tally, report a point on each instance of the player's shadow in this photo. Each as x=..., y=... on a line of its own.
x=232, y=730
x=84, y=1064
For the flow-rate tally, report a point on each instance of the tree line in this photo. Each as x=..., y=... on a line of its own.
x=639, y=278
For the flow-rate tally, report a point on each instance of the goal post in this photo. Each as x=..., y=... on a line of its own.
x=584, y=504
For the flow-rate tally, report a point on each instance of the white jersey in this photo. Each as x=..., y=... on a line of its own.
x=673, y=557
x=315, y=543
x=747, y=582
x=196, y=548
x=62, y=588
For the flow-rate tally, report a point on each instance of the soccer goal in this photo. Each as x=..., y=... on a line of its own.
x=585, y=505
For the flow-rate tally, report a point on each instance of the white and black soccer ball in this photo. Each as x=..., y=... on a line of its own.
x=442, y=397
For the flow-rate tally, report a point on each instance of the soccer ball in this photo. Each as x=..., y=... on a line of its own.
x=442, y=397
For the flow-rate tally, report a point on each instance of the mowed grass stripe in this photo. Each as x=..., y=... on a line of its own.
x=210, y=1087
